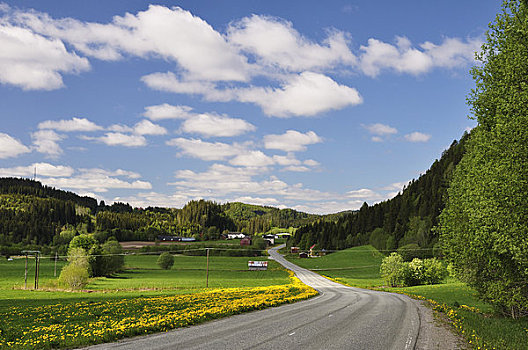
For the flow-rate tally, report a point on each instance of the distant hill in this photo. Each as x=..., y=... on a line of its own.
x=34, y=214
x=405, y=219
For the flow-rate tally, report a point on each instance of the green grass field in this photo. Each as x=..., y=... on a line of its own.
x=141, y=277
x=359, y=267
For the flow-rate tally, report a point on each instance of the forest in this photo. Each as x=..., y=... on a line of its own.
x=407, y=220
x=32, y=214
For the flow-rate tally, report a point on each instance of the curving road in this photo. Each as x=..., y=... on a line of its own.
x=339, y=318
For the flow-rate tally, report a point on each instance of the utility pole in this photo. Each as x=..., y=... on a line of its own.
x=207, y=269
x=37, y=265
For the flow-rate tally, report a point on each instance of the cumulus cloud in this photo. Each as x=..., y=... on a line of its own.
x=252, y=159
x=417, y=137
x=404, y=58
x=364, y=194
x=47, y=142
x=214, y=125
x=11, y=147
x=34, y=62
x=207, y=150
x=258, y=201
x=381, y=131
x=170, y=33
x=274, y=42
x=119, y=139
x=155, y=199
x=167, y=111
x=306, y=94
x=74, y=124
x=42, y=169
x=291, y=141
x=96, y=182
x=146, y=127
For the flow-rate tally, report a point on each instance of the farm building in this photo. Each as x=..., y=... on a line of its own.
x=235, y=235
x=245, y=241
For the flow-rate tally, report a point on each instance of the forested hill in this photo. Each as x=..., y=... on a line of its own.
x=406, y=219
x=28, y=187
x=33, y=214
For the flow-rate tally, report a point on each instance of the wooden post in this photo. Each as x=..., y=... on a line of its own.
x=207, y=270
x=36, y=271
x=25, y=273
x=55, y=269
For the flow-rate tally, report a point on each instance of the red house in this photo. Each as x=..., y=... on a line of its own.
x=245, y=241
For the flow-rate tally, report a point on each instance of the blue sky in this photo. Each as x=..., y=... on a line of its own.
x=317, y=106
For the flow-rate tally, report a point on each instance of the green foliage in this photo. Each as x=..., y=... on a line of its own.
x=165, y=261
x=74, y=276
x=394, y=270
x=112, y=259
x=484, y=225
x=406, y=218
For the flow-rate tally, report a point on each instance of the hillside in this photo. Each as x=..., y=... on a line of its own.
x=405, y=219
x=34, y=214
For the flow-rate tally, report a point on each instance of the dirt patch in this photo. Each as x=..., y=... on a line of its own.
x=141, y=244
x=436, y=331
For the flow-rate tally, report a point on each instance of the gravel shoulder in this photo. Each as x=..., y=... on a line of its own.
x=435, y=331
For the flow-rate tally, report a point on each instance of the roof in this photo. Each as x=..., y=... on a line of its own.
x=312, y=247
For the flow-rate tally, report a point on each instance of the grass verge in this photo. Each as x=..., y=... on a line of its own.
x=85, y=323
x=471, y=317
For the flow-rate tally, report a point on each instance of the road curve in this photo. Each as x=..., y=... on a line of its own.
x=339, y=318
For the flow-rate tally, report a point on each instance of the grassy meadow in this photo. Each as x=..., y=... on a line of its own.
x=471, y=317
x=139, y=300
x=141, y=277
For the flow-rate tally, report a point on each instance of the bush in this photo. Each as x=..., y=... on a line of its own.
x=394, y=270
x=165, y=261
x=397, y=272
x=74, y=276
x=112, y=259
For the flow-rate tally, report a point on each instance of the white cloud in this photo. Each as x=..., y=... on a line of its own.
x=119, y=139
x=296, y=168
x=218, y=126
x=252, y=159
x=403, y=58
x=42, y=169
x=146, y=127
x=33, y=62
x=380, y=129
x=47, y=142
x=95, y=182
x=274, y=42
x=75, y=124
x=364, y=194
x=258, y=201
x=155, y=199
x=417, y=137
x=306, y=94
x=311, y=162
x=286, y=160
x=11, y=147
x=170, y=33
x=291, y=141
x=453, y=52
x=118, y=172
x=207, y=150
x=167, y=111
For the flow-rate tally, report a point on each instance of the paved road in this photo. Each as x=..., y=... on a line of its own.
x=339, y=318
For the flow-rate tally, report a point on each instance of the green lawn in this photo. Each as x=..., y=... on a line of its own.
x=141, y=277
x=359, y=267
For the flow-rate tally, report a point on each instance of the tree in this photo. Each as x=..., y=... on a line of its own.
x=484, y=226
x=75, y=274
x=165, y=261
x=112, y=259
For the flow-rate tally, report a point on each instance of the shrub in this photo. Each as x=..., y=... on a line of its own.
x=74, y=276
x=165, y=261
x=394, y=270
x=433, y=271
x=112, y=259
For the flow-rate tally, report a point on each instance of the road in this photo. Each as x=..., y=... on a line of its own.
x=339, y=318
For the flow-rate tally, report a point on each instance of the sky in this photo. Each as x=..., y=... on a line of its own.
x=312, y=105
